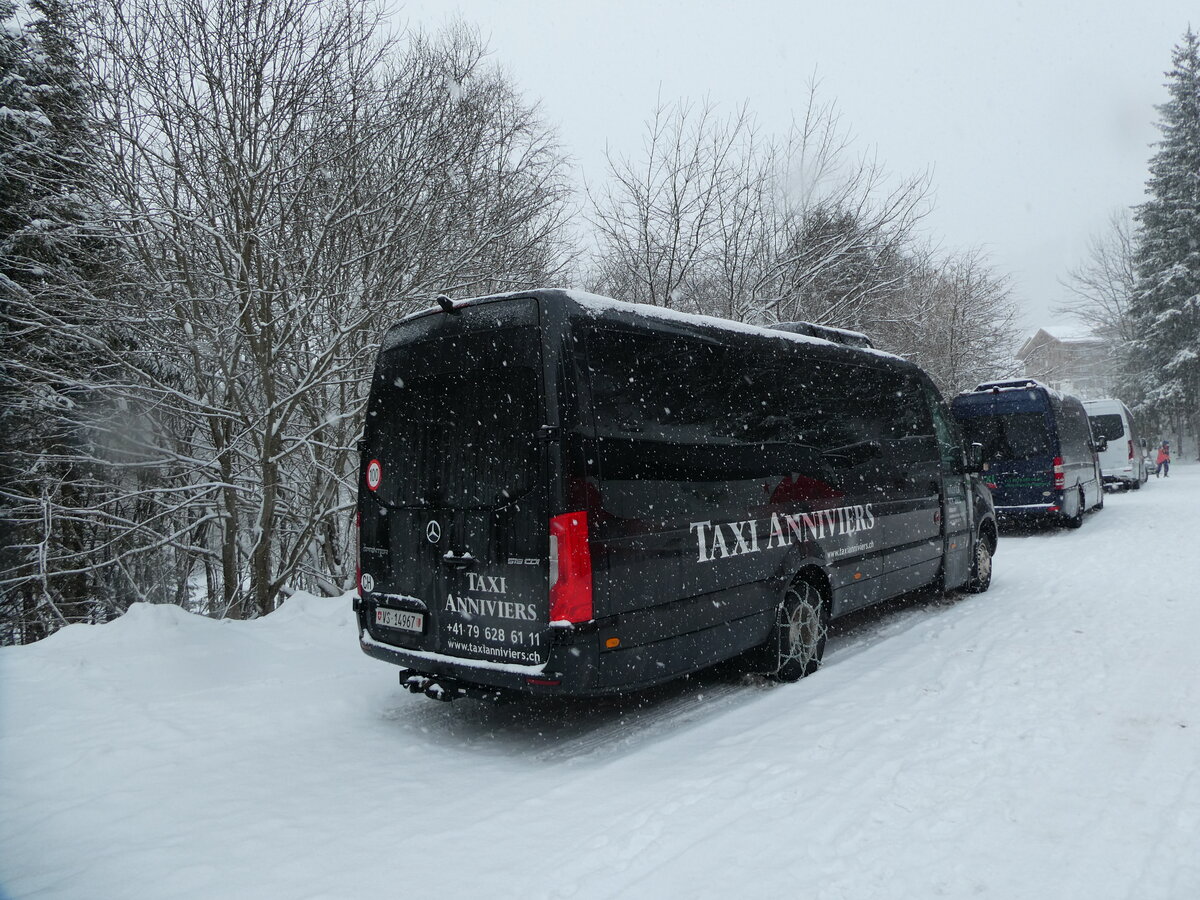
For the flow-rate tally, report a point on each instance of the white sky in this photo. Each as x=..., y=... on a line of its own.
x=1035, y=118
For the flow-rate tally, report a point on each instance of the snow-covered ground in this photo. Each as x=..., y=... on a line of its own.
x=1041, y=740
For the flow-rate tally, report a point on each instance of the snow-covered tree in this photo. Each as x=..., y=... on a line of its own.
x=60, y=274
x=289, y=181
x=1165, y=306
x=715, y=217
x=954, y=315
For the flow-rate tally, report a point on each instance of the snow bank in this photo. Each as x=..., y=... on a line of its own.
x=1041, y=740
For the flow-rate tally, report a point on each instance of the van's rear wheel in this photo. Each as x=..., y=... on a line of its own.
x=797, y=640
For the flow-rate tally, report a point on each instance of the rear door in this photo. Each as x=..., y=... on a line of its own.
x=455, y=526
x=1018, y=445
x=1116, y=461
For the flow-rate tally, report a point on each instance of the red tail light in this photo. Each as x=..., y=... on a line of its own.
x=1060, y=477
x=570, y=569
x=1131, y=449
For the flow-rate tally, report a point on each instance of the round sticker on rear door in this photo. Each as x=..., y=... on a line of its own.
x=374, y=474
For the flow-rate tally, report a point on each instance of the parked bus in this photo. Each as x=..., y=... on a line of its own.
x=1122, y=462
x=1038, y=453
x=565, y=494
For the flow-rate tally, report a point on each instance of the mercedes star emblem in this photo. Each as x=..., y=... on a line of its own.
x=433, y=531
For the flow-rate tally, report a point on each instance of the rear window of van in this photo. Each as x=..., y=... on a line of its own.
x=1110, y=426
x=1012, y=436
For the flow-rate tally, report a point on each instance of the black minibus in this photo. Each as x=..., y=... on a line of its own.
x=565, y=494
x=1037, y=448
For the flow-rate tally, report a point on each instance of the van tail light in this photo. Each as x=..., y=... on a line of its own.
x=570, y=569
x=1131, y=449
x=1060, y=476
x=358, y=550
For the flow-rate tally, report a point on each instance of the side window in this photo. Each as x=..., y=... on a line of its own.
x=950, y=444
x=652, y=387
x=1073, y=430
x=833, y=404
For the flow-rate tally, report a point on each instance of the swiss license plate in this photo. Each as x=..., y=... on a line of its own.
x=399, y=618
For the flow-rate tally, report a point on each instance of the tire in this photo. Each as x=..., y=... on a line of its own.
x=797, y=640
x=1076, y=520
x=1136, y=484
x=981, y=566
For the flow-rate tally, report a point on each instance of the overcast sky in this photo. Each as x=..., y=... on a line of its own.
x=1035, y=119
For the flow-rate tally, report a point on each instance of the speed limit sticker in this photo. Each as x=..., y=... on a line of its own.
x=374, y=474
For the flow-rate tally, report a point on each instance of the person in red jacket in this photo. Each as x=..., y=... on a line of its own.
x=1163, y=461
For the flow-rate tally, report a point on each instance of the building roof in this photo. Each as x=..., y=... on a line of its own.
x=1062, y=334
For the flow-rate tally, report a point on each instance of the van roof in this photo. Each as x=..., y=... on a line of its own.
x=597, y=305
x=1106, y=403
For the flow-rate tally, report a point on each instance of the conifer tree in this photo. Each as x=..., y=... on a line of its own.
x=1165, y=306
x=56, y=276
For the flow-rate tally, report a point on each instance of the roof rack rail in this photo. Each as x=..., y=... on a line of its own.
x=1009, y=384
x=826, y=333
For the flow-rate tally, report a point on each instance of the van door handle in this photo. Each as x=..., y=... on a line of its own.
x=458, y=560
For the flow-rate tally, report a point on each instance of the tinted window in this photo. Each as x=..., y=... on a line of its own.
x=453, y=416
x=690, y=391
x=700, y=426
x=1108, y=426
x=1012, y=436
x=1073, y=430
x=653, y=387
x=950, y=444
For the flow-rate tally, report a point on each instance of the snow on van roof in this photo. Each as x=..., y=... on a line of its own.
x=597, y=303
x=603, y=304
x=1015, y=384
x=1104, y=403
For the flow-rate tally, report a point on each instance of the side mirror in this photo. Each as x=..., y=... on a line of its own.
x=975, y=458
x=1101, y=444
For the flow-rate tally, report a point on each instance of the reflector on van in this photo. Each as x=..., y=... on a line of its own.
x=570, y=569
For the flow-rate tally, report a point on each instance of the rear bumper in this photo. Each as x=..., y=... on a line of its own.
x=577, y=664
x=569, y=668
x=1123, y=476
x=1028, y=509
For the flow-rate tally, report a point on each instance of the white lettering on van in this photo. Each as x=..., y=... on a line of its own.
x=486, y=584
x=699, y=527
x=726, y=539
x=776, y=537
x=470, y=607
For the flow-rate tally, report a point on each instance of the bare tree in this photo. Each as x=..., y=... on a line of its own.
x=1102, y=285
x=288, y=182
x=656, y=218
x=716, y=218
x=957, y=319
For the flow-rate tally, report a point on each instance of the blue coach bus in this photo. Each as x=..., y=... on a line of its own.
x=1038, y=451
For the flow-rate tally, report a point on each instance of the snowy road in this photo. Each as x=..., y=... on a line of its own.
x=1041, y=740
